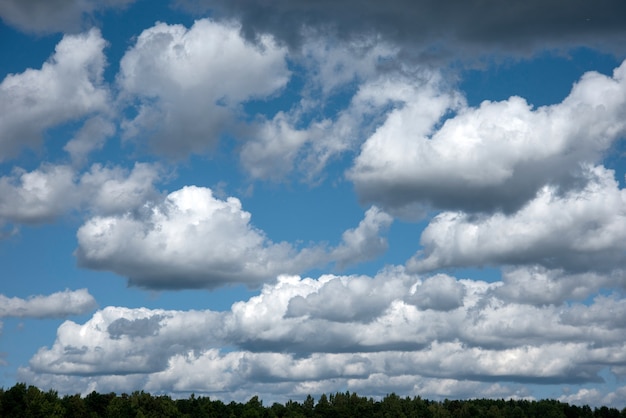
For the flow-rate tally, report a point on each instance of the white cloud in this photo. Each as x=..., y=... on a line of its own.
x=67, y=87
x=95, y=347
x=191, y=82
x=190, y=239
x=579, y=230
x=494, y=157
x=37, y=196
x=347, y=298
x=114, y=190
x=52, y=191
x=56, y=305
x=46, y=16
x=356, y=331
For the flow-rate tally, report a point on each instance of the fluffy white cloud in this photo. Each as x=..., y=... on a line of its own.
x=51, y=191
x=37, y=196
x=347, y=299
x=67, y=87
x=393, y=330
x=52, y=16
x=56, y=305
x=298, y=330
x=190, y=82
x=191, y=239
x=578, y=230
x=113, y=190
x=494, y=157
x=148, y=338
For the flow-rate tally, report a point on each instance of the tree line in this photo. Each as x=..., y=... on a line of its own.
x=29, y=401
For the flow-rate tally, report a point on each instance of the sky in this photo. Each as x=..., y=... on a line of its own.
x=235, y=198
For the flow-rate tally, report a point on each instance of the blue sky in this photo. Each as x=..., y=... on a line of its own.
x=240, y=198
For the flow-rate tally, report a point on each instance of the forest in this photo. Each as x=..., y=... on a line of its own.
x=29, y=401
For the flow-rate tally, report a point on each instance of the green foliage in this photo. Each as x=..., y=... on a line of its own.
x=30, y=402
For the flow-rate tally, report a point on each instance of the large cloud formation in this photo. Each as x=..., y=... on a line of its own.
x=504, y=184
x=45, y=16
x=361, y=333
x=460, y=30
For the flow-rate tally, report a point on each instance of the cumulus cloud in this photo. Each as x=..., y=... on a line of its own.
x=51, y=191
x=191, y=239
x=392, y=330
x=37, y=196
x=109, y=190
x=582, y=230
x=346, y=298
x=93, y=348
x=67, y=87
x=56, y=305
x=44, y=16
x=189, y=83
x=493, y=157
x=468, y=29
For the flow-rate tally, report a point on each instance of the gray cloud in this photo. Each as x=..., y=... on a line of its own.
x=143, y=327
x=441, y=292
x=45, y=16
x=538, y=285
x=434, y=29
